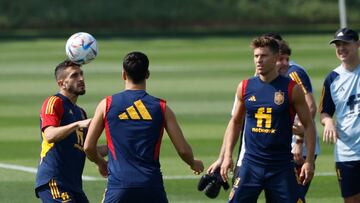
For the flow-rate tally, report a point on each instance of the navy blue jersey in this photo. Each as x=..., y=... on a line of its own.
x=269, y=119
x=299, y=75
x=134, y=125
x=62, y=161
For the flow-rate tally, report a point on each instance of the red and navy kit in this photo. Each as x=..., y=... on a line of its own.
x=269, y=119
x=267, y=162
x=134, y=125
x=61, y=163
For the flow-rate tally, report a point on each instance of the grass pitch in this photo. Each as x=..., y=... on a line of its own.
x=197, y=77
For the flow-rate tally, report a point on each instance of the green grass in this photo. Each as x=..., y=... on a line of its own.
x=197, y=76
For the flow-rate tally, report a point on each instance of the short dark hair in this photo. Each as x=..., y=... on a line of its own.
x=59, y=70
x=264, y=41
x=273, y=35
x=136, y=66
x=284, y=48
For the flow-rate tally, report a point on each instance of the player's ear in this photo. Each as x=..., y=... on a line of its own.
x=147, y=74
x=60, y=83
x=123, y=74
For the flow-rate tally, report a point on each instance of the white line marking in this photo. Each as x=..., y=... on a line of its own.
x=92, y=178
x=34, y=170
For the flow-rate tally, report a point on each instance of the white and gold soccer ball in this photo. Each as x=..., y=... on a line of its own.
x=81, y=48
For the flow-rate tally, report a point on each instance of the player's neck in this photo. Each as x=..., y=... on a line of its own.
x=351, y=65
x=71, y=97
x=268, y=77
x=131, y=86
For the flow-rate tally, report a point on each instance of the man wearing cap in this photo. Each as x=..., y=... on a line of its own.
x=341, y=96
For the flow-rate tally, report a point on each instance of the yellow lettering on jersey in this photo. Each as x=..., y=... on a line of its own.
x=262, y=115
x=142, y=110
x=123, y=116
x=65, y=196
x=45, y=146
x=132, y=113
x=262, y=130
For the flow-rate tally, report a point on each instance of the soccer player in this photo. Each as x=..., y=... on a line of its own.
x=134, y=122
x=341, y=96
x=299, y=75
x=63, y=128
x=268, y=104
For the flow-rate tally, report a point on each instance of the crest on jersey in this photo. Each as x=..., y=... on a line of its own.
x=279, y=97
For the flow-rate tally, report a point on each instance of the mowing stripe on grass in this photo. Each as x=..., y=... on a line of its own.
x=91, y=178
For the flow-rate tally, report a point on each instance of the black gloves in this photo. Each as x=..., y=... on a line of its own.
x=211, y=184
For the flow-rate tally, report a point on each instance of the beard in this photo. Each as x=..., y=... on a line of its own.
x=76, y=90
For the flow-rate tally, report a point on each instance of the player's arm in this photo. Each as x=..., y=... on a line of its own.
x=310, y=101
x=330, y=134
x=303, y=112
x=232, y=133
x=303, y=80
x=51, y=114
x=103, y=150
x=327, y=109
x=217, y=164
x=181, y=145
x=56, y=134
x=298, y=129
x=90, y=146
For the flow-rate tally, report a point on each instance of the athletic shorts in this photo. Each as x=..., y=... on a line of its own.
x=53, y=192
x=348, y=174
x=303, y=188
x=135, y=195
x=280, y=183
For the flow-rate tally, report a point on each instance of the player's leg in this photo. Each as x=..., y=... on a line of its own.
x=281, y=185
x=53, y=192
x=348, y=174
x=247, y=185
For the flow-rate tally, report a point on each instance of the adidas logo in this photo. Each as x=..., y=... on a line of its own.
x=252, y=98
x=137, y=111
x=340, y=34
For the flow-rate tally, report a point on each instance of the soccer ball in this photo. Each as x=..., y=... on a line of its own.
x=81, y=48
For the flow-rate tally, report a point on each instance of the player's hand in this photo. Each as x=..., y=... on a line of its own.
x=307, y=173
x=297, y=153
x=298, y=129
x=226, y=165
x=214, y=166
x=84, y=123
x=103, y=169
x=330, y=134
x=197, y=167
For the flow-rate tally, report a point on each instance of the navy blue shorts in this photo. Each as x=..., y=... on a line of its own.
x=348, y=174
x=52, y=192
x=135, y=195
x=280, y=183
